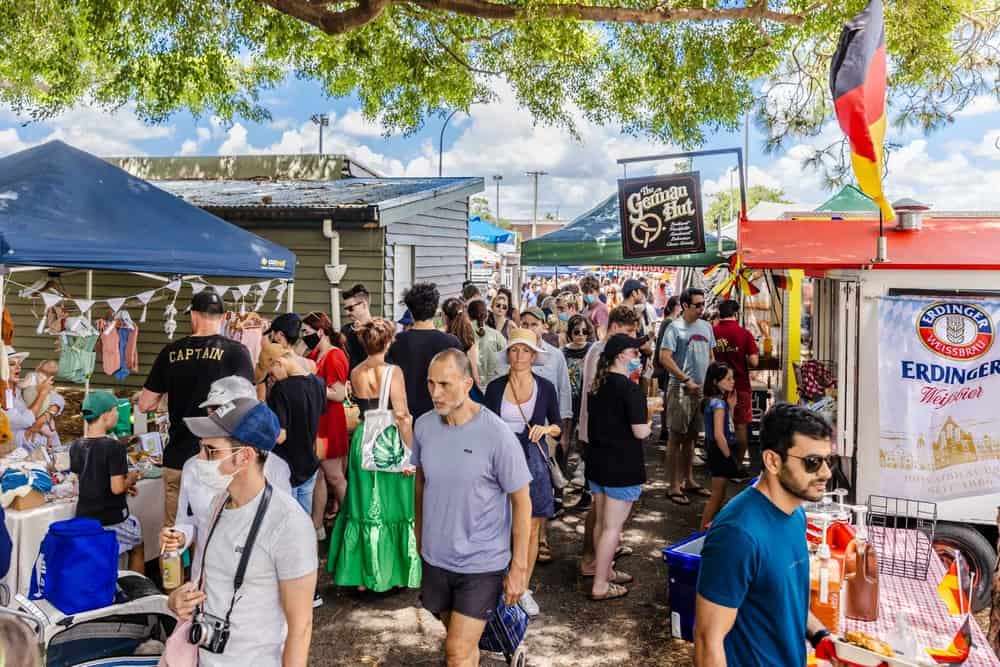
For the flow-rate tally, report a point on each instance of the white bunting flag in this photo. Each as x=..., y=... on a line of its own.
x=197, y=287
x=117, y=303
x=221, y=290
x=50, y=298
x=243, y=290
x=145, y=298
x=280, y=289
x=84, y=305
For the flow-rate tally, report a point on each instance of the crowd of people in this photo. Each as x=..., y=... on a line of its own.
x=497, y=401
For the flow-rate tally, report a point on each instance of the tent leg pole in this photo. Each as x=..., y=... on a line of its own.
x=90, y=296
x=291, y=297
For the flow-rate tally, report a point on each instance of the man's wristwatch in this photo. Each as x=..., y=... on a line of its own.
x=818, y=636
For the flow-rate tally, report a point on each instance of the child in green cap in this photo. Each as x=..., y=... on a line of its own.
x=101, y=464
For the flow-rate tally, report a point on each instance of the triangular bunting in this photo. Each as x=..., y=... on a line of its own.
x=243, y=290
x=117, y=303
x=84, y=305
x=197, y=287
x=50, y=298
x=173, y=286
x=145, y=298
x=221, y=290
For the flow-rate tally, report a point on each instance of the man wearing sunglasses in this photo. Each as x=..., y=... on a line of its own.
x=753, y=588
x=686, y=352
x=357, y=305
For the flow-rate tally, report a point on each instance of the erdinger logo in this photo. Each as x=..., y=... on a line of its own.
x=956, y=330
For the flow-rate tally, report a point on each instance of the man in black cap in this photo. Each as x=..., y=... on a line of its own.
x=184, y=371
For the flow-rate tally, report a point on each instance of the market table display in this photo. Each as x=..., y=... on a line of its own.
x=929, y=621
x=28, y=528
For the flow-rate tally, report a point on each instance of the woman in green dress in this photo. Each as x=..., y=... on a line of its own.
x=372, y=543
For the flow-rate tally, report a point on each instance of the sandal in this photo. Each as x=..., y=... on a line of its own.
x=544, y=554
x=623, y=552
x=614, y=592
x=697, y=490
x=678, y=498
x=621, y=577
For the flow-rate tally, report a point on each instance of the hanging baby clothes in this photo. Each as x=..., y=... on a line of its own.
x=119, y=353
x=77, y=357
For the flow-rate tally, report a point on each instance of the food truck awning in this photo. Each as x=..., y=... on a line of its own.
x=962, y=243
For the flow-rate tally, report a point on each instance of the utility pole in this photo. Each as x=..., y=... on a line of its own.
x=441, y=142
x=496, y=179
x=322, y=120
x=534, y=216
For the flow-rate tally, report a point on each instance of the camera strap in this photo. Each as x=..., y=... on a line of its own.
x=241, y=569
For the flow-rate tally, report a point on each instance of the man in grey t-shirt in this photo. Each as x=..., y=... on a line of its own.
x=271, y=614
x=685, y=353
x=471, y=495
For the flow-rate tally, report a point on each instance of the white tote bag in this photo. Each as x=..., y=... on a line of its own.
x=382, y=450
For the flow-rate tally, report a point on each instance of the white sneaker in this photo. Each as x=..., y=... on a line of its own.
x=529, y=605
x=317, y=601
x=320, y=534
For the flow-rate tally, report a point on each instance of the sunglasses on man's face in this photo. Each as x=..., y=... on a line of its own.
x=581, y=332
x=813, y=463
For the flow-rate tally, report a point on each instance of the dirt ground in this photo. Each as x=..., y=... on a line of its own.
x=571, y=630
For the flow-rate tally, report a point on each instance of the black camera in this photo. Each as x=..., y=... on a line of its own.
x=209, y=632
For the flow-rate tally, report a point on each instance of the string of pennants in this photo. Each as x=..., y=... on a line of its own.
x=241, y=294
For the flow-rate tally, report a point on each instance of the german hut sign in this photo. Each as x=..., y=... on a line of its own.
x=661, y=215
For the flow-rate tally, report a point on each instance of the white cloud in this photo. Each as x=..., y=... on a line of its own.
x=980, y=105
x=189, y=147
x=355, y=124
x=92, y=130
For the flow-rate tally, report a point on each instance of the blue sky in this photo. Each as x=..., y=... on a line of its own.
x=955, y=168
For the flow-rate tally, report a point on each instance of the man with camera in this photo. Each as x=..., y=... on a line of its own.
x=258, y=554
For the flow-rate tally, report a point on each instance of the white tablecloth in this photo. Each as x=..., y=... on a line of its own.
x=28, y=528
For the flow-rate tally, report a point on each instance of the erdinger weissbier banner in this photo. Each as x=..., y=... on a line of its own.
x=939, y=397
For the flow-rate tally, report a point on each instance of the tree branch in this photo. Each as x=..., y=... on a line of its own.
x=659, y=14
x=340, y=22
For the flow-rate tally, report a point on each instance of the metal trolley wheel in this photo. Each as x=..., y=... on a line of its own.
x=520, y=658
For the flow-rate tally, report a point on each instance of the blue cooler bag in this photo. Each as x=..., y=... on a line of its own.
x=77, y=566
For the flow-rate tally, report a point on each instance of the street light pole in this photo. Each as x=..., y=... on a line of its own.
x=322, y=120
x=496, y=179
x=441, y=142
x=534, y=216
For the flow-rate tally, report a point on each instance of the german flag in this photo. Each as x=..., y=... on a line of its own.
x=958, y=651
x=950, y=590
x=858, y=82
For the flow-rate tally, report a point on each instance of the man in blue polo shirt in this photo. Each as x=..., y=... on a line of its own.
x=753, y=589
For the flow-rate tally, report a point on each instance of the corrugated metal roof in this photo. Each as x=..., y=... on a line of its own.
x=381, y=192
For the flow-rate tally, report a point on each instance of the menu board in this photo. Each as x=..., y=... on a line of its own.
x=661, y=215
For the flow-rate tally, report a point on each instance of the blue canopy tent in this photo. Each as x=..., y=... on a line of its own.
x=484, y=232
x=62, y=207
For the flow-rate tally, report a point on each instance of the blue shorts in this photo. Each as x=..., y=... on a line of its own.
x=628, y=494
x=304, y=493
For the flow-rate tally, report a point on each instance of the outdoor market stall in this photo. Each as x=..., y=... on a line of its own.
x=71, y=210
x=909, y=322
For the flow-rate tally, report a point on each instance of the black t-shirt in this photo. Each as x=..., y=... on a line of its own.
x=355, y=350
x=299, y=401
x=412, y=352
x=614, y=455
x=185, y=370
x=95, y=461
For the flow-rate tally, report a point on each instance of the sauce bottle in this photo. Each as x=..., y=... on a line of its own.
x=824, y=585
x=861, y=574
x=172, y=570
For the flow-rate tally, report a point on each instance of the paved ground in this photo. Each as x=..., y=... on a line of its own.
x=571, y=631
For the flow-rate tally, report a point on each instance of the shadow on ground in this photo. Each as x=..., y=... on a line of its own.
x=572, y=631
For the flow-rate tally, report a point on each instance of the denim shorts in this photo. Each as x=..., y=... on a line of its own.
x=304, y=493
x=628, y=494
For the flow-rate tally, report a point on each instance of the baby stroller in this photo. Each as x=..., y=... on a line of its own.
x=504, y=633
x=132, y=632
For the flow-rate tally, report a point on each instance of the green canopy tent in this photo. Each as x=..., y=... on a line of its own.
x=594, y=238
x=849, y=200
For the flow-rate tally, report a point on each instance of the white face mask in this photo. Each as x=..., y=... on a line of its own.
x=207, y=473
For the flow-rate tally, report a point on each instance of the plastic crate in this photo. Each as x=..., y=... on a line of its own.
x=684, y=561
